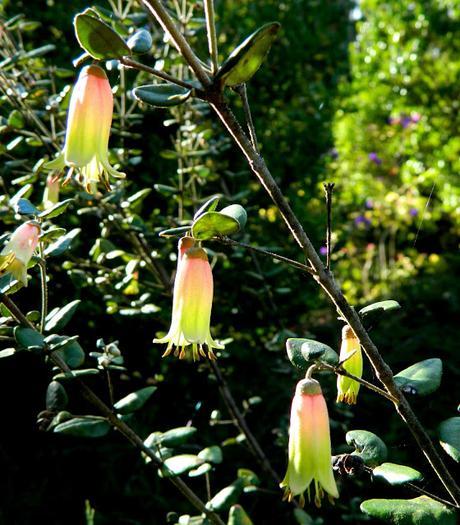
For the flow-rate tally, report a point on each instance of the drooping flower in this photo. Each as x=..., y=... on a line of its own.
x=192, y=304
x=309, y=446
x=352, y=357
x=88, y=129
x=18, y=251
x=51, y=193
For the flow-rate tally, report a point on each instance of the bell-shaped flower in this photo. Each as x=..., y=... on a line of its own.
x=88, y=128
x=192, y=304
x=18, y=251
x=352, y=358
x=309, y=446
x=51, y=193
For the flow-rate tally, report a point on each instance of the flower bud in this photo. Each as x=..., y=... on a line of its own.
x=51, y=193
x=352, y=358
x=309, y=446
x=18, y=251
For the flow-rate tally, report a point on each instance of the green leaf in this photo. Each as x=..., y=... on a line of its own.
x=77, y=373
x=202, y=469
x=162, y=95
x=226, y=497
x=417, y=511
x=58, y=318
x=395, y=474
x=302, y=518
x=8, y=352
x=52, y=234
x=212, y=224
x=449, y=437
x=246, y=59
x=68, y=348
x=141, y=42
x=55, y=210
x=28, y=337
x=209, y=205
x=237, y=212
x=422, y=379
x=212, y=454
x=304, y=352
x=177, y=465
x=238, y=516
x=135, y=400
x=368, y=446
x=177, y=436
x=174, y=232
x=379, y=308
x=15, y=119
x=25, y=207
x=56, y=397
x=91, y=427
x=248, y=477
x=62, y=244
x=98, y=39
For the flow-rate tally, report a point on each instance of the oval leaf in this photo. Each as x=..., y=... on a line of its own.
x=98, y=39
x=175, y=232
x=368, y=446
x=238, y=516
x=213, y=224
x=162, y=95
x=28, y=337
x=141, y=42
x=237, y=212
x=226, y=497
x=177, y=436
x=135, y=400
x=303, y=352
x=177, y=465
x=380, y=307
x=417, y=511
x=56, y=397
x=84, y=427
x=423, y=378
x=58, y=318
x=211, y=454
x=449, y=437
x=395, y=474
x=247, y=58
x=55, y=210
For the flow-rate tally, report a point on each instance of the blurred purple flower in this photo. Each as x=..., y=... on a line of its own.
x=415, y=117
x=406, y=121
x=361, y=219
x=323, y=250
x=334, y=153
x=375, y=158
x=413, y=212
x=369, y=203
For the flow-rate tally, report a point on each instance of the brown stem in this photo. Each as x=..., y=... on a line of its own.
x=328, y=190
x=241, y=422
x=326, y=280
x=112, y=418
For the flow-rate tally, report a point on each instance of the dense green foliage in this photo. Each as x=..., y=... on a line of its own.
x=371, y=106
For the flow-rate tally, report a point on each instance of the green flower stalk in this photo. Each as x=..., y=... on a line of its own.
x=192, y=304
x=352, y=358
x=88, y=130
x=18, y=251
x=309, y=446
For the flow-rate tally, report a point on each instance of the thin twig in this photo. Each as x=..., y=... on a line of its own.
x=241, y=422
x=243, y=93
x=112, y=418
x=328, y=190
x=128, y=62
x=291, y=262
x=211, y=34
x=43, y=288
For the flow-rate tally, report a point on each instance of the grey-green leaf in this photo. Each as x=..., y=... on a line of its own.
x=368, y=446
x=25, y=207
x=58, y=318
x=177, y=436
x=56, y=397
x=395, y=474
x=141, y=42
x=62, y=244
x=28, y=337
x=135, y=400
x=380, y=307
x=423, y=378
x=449, y=437
x=417, y=511
x=237, y=212
x=68, y=348
x=92, y=427
x=162, y=95
x=176, y=465
x=226, y=497
x=238, y=516
x=213, y=224
x=55, y=210
x=246, y=59
x=209, y=205
x=98, y=39
x=211, y=454
x=304, y=352
x=175, y=232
